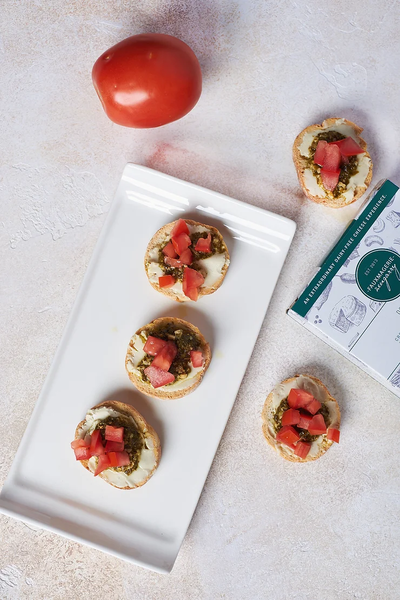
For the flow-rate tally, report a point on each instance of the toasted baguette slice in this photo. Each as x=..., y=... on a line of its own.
x=280, y=393
x=213, y=268
x=150, y=454
x=135, y=354
x=312, y=186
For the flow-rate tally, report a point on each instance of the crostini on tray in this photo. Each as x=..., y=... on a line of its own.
x=332, y=162
x=167, y=358
x=115, y=442
x=301, y=420
x=186, y=259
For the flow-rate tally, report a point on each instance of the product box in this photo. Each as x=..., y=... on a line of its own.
x=353, y=301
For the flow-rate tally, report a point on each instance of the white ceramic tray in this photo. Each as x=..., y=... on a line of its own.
x=45, y=485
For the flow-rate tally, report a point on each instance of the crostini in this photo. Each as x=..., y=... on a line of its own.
x=115, y=442
x=301, y=420
x=167, y=358
x=332, y=162
x=186, y=260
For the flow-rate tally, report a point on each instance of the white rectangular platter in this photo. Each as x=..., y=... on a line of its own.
x=145, y=525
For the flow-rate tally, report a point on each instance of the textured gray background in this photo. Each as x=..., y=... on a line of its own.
x=263, y=529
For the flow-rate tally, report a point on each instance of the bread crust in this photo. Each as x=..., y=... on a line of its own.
x=159, y=238
x=267, y=414
x=147, y=388
x=143, y=426
x=300, y=163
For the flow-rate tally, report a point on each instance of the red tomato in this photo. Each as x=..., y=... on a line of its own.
x=287, y=435
x=82, y=453
x=329, y=179
x=332, y=158
x=348, y=147
x=317, y=425
x=122, y=459
x=173, y=262
x=291, y=417
x=191, y=282
x=333, y=434
x=299, y=398
x=313, y=406
x=114, y=434
x=305, y=420
x=186, y=257
x=164, y=358
x=320, y=152
x=102, y=464
x=166, y=281
x=302, y=449
x=196, y=357
x=180, y=227
x=153, y=345
x=114, y=447
x=147, y=80
x=169, y=250
x=158, y=377
x=204, y=244
x=181, y=242
x=81, y=443
x=96, y=444
x=112, y=457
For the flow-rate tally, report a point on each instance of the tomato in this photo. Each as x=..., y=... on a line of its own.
x=153, y=345
x=320, y=152
x=102, y=464
x=348, y=147
x=114, y=447
x=96, y=443
x=287, y=435
x=291, y=417
x=317, y=425
x=305, y=420
x=82, y=453
x=181, y=242
x=169, y=250
x=164, y=358
x=191, y=282
x=196, y=357
x=180, y=227
x=333, y=434
x=302, y=449
x=147, y=80
x=158, y=377
x=173, y=262
x=186, y=257
x=299, y=398
x=332, y=158
x=81, y=443
x=112, y=457
x=329, y=179
x=166, y=281
x=313, y=406
x=204, y=244
x=122, y=459
x=114, y=434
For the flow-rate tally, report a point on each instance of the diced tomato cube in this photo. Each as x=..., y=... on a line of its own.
x=181, y=243
x=158, y=377
x=291, y=417
x=320, y=152
x=191, y=282
x=333, y=434
x=313, y=406
x=180, y=227
x=82, y=453
x=122, y=459
x=196, y=357
x=186, y=257
x=305, y=420
x=166, y=281
x=112, y=457
x=204, y=244
x=317, y=425
x=164, y=358
x=81, y=442
x=169, y=250
x=302, y=449
x=114, y=447
x=153, y=345
x=102, y=464
x=299, y=398
x=96, y=443
x=330, y=179
x=173, y=262
x=114, y=434
x=332, y=158
x=287, y=435
x=348, y=147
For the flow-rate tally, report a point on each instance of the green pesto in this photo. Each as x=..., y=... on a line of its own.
x=346, y=171
x=303, y=433
x=133, y=440
x=185, y=341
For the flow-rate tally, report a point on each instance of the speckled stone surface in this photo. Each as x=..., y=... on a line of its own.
x=264, y=528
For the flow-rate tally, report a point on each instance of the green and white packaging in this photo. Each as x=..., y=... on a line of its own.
x=353, y=301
